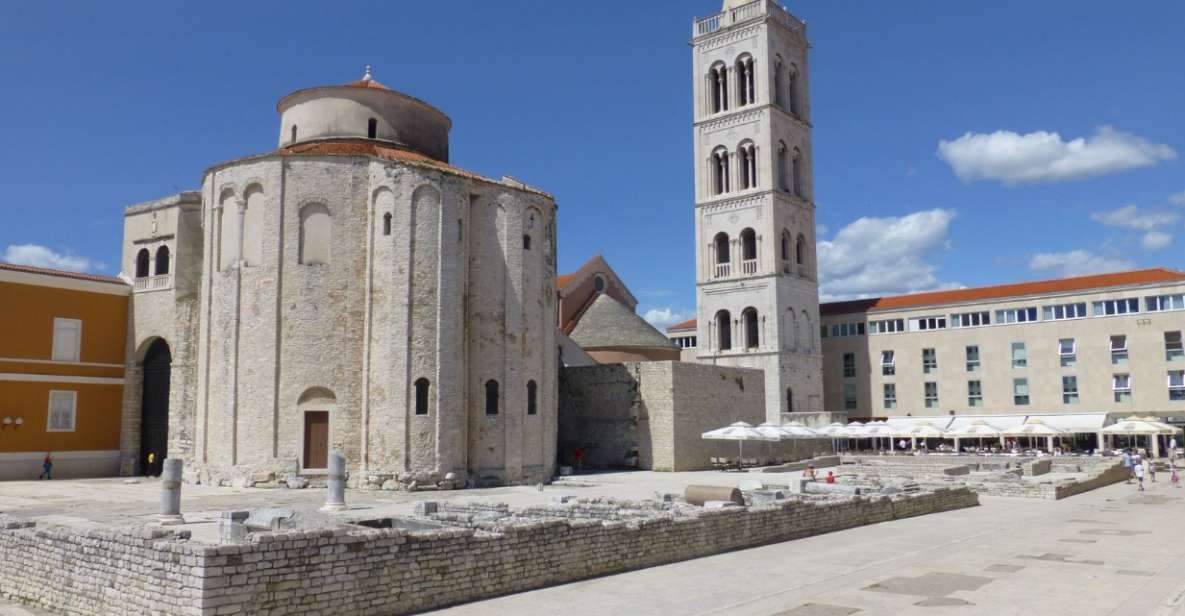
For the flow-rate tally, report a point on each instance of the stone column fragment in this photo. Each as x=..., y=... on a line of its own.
x=170, y=492
x=335, y=495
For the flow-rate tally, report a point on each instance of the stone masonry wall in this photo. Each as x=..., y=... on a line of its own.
x=393, y=571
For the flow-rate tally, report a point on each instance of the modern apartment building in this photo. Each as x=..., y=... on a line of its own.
x=1108, y=343
x=63, y=338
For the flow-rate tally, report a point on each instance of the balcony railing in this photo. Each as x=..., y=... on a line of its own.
x=743, y=13
x=749, y=266
x=154, y=283
x=723, y=270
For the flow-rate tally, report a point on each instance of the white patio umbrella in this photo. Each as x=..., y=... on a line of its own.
x=877, y=430
x=978, y=430
x=1035, y=428
x=836, y=432
x=921, y=429
x=739, y=432
x=1139, y=426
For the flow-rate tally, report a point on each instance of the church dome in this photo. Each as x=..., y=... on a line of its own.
x=363, y=109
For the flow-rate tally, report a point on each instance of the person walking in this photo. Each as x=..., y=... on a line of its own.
x=1150, y=469
x=1139, y=470
x=1173, y=448
x=1174, y=476
x=1127, y=463
x=47, y=466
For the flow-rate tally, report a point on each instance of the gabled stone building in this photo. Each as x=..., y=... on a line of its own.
x=353, y=290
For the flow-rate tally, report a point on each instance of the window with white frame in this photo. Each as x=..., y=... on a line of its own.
x=887, y=326
x=1020, y=391
x=1121, y=384
x=973, y=358
x=67, y=339
x=922, y=324
x=1067, y=352
x=1160, y=303
x=888, y=363
x=1173, y=349
x=1016, y=315
x=931, y=391
x=1109, y=307
x=849, y=396
x=849, y=365
x=929, y=361
x=1177, y=385
x=971, y=319
x=890, y=395
x=974, y=394
x=1064, y=311
x=63, y=406
x=1069, y=389
x=1119, y=350
x=1020, y=355
x=839, y=330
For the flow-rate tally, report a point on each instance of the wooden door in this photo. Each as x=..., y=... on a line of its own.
x=316, y=439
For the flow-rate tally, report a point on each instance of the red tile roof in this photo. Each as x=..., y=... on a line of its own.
x=367, y=83
x=688, y=324
x=29, y=269
x=563, y=279
x=1020, y=289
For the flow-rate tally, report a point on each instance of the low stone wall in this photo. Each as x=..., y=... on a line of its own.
x=358, y=570
x=1113, y=474
x=1017, y=481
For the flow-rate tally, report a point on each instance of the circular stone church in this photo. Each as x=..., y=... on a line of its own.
x=351, y=290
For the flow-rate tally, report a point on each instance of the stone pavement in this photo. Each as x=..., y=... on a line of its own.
x=1111, y=551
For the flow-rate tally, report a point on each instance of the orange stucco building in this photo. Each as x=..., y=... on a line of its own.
x=63, y=339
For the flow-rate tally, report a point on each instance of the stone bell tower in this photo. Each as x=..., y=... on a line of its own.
x=757, y=290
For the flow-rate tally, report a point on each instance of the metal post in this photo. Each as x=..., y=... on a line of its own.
x=335, y=495
x=170, y=492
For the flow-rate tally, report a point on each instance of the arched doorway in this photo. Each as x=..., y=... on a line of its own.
x=154, y=407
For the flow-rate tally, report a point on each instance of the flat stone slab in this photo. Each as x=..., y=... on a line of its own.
x=1135, y=572
x=942, y=602
x=819, y=609
x=1078, y=540
x=1054, y=557
x=1113, y=532
x=931, y=584
x=1080, y=521
x=1002, y=568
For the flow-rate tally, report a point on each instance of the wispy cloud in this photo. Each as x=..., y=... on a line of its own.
x=662, y=318
x=1044, y=156
x=1177, y=198
x=884, y=256
x=1132, y=217
x=1077, y=263
x=1156, y=240
x=40, y=256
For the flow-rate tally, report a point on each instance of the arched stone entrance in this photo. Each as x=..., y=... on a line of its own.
x=154, y=407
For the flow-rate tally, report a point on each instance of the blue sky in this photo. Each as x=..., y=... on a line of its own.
x=110, y=104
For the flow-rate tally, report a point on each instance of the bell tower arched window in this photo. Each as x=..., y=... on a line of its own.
x=719, y=172
x=779, y=99
x=796, y=169
x=746, y=89
x=747, y=160
x=786, y=251
x=793, y=91
x=723, y=256
x=783, y=168
x=800, y=249
x=752, y=328
x=723, y=330
x=142, y=260
x=162, y=261
x=718, y=88
x=749, y=251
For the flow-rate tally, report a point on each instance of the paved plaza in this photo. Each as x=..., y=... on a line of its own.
x=1110, y=551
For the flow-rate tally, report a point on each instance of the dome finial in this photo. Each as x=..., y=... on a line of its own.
x=367, y=76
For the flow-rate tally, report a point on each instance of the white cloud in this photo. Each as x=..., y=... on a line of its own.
x=1132, y=217
x=884, y=256
x=661, y=318
x=1043, y=156
x=1155, y=240
x=1077, y=263
x=40, y=256
x=1178, y=198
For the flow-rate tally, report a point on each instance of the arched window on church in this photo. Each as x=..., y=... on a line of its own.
x=747, y=160
x=779, y=99
x=746, y=89
x=796, y=169
x=723, y=330
x=783, y=169
x=794, y=106
x=719, y=172
x=723, y=258
x=789, y=400
x=316, y=234
x=162, y=261
x=372, y=128
x=787, y=251
x=718, y=88
x=800, y=249
x=526, y=241
x=293, y=134
x=491, y=397
x=532, y=394
x=749, y=251
x=422, y=396
x=752, y=328
x=142, y=259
